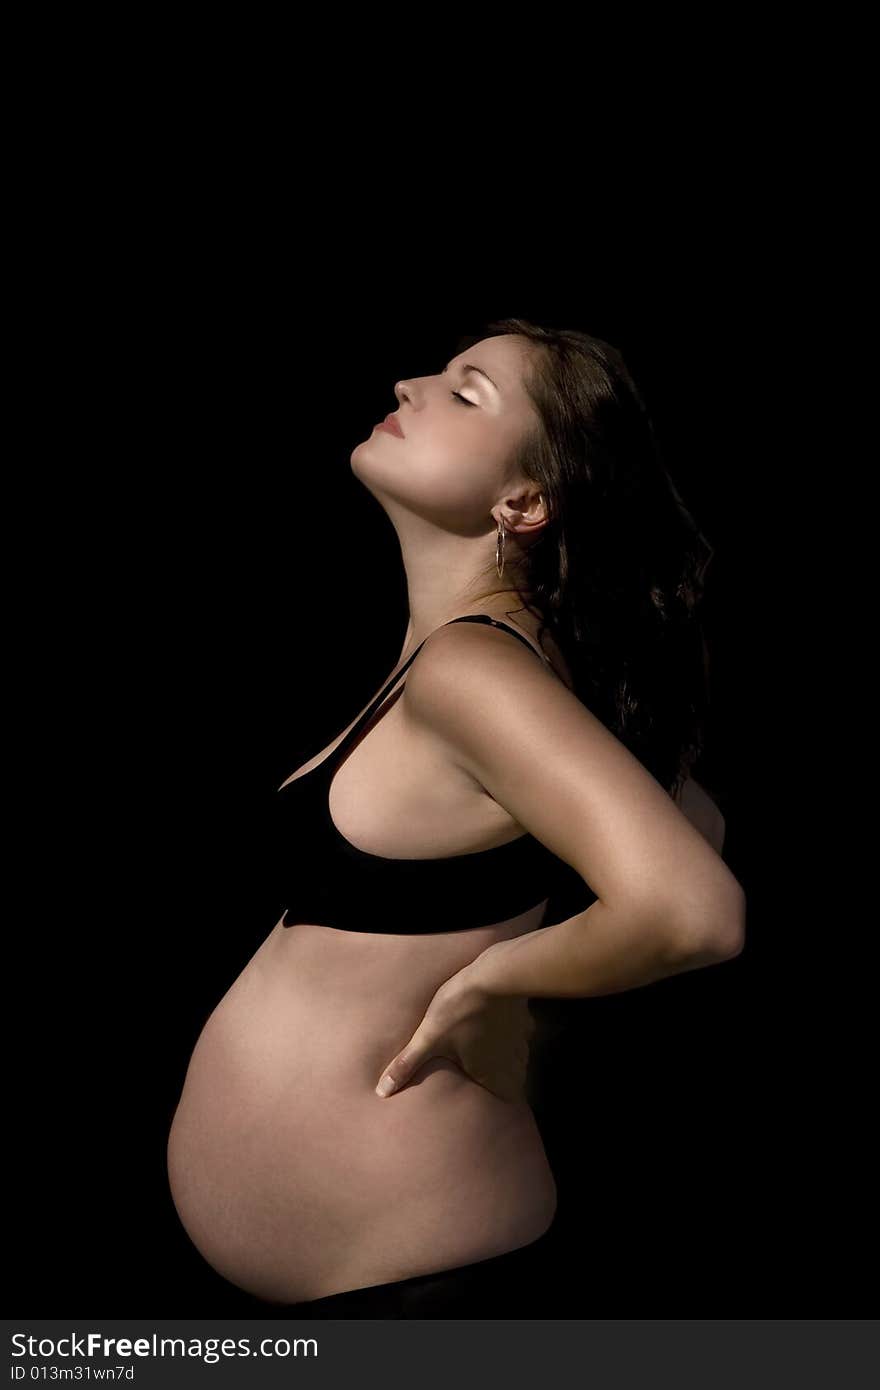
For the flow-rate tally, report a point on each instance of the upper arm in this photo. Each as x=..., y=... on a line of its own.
x=555, y=767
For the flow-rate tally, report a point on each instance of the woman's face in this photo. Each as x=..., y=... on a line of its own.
x=461, y=428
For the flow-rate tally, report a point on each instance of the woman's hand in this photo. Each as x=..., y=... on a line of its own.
x=486, y=1035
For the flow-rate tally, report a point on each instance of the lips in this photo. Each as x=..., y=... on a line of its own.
x=392, y=423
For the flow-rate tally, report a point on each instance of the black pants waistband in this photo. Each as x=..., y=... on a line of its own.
x=517, y=1283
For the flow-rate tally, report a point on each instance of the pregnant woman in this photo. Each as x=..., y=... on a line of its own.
x=354, y=1119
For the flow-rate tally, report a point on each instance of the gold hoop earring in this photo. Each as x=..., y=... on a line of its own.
x=499, y=549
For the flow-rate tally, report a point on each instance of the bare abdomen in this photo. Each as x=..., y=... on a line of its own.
x=293, y=1179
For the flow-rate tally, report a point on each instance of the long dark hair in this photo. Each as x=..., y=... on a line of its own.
x=618, y=573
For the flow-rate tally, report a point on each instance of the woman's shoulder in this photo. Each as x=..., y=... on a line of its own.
x=528, y=624
x=545, y=640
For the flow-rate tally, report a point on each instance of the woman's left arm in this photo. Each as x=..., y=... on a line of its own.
x=525, y=739
x=666, y=901
x=472, y=1019
x=604, y=950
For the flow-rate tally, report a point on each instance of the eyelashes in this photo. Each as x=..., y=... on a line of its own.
x=457, y=394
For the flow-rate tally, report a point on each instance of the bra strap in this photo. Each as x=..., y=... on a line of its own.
x=374, y=705
x=485, y=618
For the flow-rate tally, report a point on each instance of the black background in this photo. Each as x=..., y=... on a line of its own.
x=208, y=596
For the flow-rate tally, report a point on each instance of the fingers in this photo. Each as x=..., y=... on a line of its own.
x=505, y=1071
x=404, y=1065
x=427, y=1041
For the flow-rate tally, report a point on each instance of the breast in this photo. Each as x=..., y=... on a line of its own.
x=281, y=1157
x=397, y=833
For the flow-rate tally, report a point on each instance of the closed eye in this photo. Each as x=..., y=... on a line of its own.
x=458, y=396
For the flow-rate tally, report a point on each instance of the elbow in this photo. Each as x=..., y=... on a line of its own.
x=715, y=933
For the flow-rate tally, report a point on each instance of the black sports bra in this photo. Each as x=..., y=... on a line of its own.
x=330, y=881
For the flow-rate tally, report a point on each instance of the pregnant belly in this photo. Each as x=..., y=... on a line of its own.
x=295, y=1181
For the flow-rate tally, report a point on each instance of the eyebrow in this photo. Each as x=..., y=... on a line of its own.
x=470, y=367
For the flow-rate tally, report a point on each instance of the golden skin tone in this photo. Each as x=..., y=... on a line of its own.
x=449, y=481
x=290, y=1175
